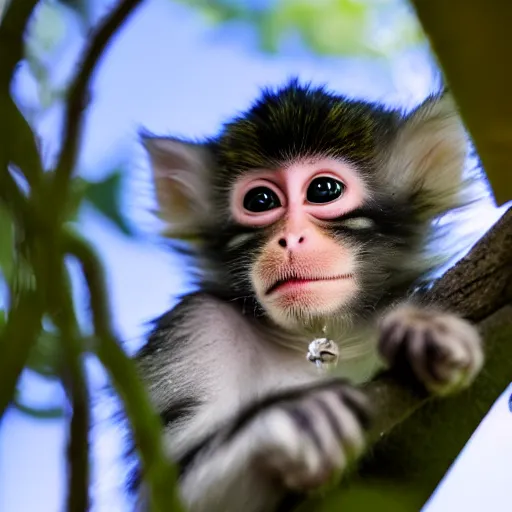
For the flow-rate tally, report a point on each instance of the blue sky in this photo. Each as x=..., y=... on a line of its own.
x=169, y=72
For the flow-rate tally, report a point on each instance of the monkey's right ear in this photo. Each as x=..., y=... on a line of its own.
x=181, y=173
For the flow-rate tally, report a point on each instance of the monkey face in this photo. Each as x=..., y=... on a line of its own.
x=310, y=204
x=302, y=270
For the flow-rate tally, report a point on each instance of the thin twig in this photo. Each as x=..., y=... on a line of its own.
x=78, y=93
x=74, y=381
x=78, y=446
x=158, y=471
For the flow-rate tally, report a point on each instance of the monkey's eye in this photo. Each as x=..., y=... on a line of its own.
x=324, y=189
x=261, y=199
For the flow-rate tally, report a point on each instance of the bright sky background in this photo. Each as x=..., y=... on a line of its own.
x=170, y=73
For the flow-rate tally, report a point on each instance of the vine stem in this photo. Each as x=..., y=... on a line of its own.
x=79, y=92
x=18, y=336
x=73, y=377
x=26, y=307
x=48, y=244
x=159, y=473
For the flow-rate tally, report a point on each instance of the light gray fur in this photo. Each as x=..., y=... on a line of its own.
x=220, y=360
x=228, y=362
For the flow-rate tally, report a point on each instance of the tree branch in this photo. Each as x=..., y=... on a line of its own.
x=477, y=286
x=480, y=283
x=78, y=93
x=78, y=441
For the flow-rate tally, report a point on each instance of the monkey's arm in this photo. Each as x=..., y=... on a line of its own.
x=289, y=441
x=243, y=427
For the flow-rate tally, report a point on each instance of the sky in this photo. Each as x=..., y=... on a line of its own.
x=168, y=72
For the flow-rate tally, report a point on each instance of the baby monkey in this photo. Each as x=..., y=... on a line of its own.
x=311, y=215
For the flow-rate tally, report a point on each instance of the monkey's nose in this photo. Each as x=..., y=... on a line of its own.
x=291, y=241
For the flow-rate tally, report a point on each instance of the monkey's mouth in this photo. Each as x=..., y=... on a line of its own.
x=297, y=281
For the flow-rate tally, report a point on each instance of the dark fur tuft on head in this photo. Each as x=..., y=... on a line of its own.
x=302, y=121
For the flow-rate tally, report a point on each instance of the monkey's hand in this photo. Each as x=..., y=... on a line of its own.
x=443, y=351
x=294, y=441
x=306, y=441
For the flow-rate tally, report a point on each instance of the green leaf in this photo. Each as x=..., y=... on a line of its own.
x=105, y=197
x=270, y=30
x=46, y=356
x=77, y=193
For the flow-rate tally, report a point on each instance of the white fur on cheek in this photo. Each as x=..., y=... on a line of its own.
x=239, y=240
x=359, y=223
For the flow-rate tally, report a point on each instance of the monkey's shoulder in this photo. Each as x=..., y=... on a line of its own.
x=190, y=314
x=204, y=340
x=204, y=317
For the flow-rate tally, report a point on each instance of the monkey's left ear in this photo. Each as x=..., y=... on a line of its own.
x=181, y=173
x=429, y=154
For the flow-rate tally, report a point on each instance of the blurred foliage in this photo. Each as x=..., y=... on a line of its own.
x=43, y=413
x=49, y=30
x=104, y=196
x=40, y=204
x=46, y=356
x=327, y=27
